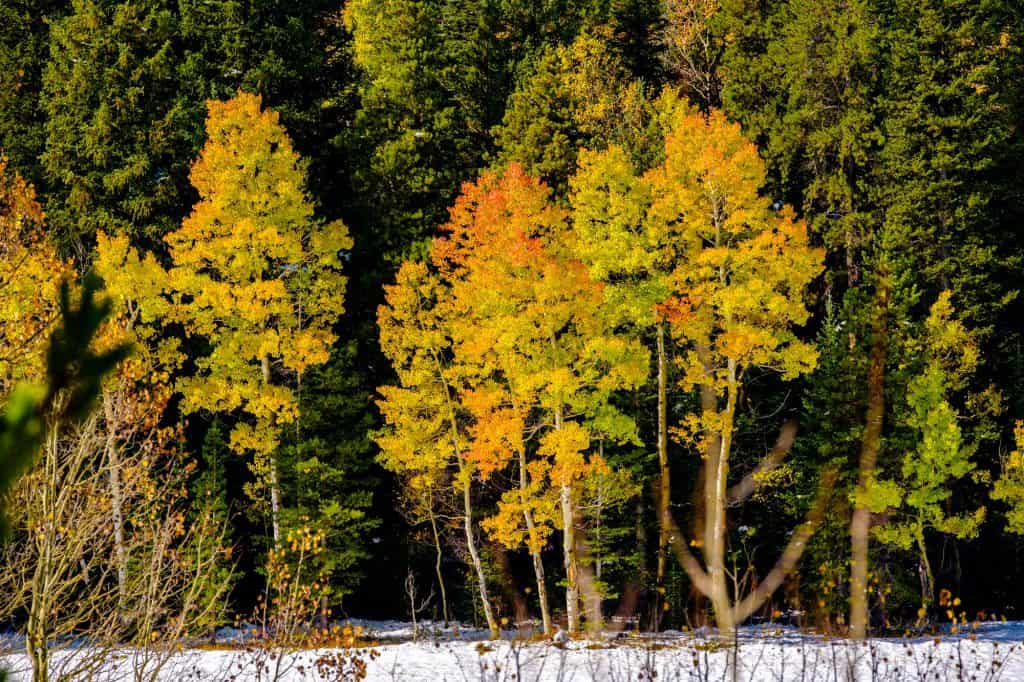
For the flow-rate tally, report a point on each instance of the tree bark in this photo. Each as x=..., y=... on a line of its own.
x=116, y=496
x=928, y=583
x=467, y=503
x=717, y=463
x=664, y=481
x=437, y=563
x=572, y=597
x=870, y=445
x=572, y=590
x=275, y=495
x=538, y=563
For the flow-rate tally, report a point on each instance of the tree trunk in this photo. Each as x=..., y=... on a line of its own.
x=437, y=564
x=467, y=502
x=572, y=596
x=116, y=497
x=664, y=481
x=717, y=463
x=870, y=446
x=572, y=590
x=36, y=629
x=532, y=539
x=928, y=576
x=275, y=500
x=275, y=496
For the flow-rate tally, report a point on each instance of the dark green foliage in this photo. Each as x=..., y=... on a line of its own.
x=803, y=78
x=118, y=138
x=950, y=135
x=24, y=49
x=328, y=470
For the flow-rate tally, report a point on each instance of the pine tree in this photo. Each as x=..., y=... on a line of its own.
x=117, y=134
x=24, y=51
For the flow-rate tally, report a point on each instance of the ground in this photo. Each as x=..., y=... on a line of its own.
x=985, y=653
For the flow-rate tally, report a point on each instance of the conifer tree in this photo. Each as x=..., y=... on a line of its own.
x=24, y=51
x=117, y=135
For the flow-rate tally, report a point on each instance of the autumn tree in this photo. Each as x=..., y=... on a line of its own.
x=256, y=276
x=737, y=298
x=425, y=429
x=693, y=48
x=635, y=257
x=1009, y=487
x=30, y=276
x=532, y=323
x=918, y=498
x=135, y=397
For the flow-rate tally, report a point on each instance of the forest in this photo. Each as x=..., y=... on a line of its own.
x=549, y=316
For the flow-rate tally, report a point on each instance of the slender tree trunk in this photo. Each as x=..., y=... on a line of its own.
x=664, y=482
x=928, y=584
x=437, y=564
x=717, y=462
x=275, y=495
x=467, y=504
x=116, y=497
x=534, y=542
x=36, y=629
x=572, y=595
x=870, y=446
x=275, y=500
x=572, y=589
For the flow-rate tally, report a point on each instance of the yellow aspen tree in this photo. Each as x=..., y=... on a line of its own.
x=738, y=295
x=258, y=277
x=425, y=419
x=635, y=258
x=531, y=318
x=30, y=276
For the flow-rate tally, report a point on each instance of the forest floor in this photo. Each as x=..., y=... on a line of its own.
x=987, y=653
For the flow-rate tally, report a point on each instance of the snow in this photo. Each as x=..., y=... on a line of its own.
x=987, y=653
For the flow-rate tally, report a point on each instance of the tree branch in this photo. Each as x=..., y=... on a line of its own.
x=794, y=549
x=750, y=483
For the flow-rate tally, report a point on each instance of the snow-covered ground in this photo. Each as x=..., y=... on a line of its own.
x=991, y=652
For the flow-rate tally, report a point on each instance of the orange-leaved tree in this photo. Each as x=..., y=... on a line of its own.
x=258, y=277
x=737, y=298
x=531, y=323
x=426, y=420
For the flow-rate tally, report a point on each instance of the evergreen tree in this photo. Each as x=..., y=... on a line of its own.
x=117, y=134
x=327, y=462
x=24, y=51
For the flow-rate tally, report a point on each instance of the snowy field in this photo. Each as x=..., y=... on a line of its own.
x=992, y=652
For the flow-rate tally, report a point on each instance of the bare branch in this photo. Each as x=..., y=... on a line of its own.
x=794, y=549
x=750, y=483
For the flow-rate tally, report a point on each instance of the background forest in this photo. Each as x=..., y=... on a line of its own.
x=684, y=311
